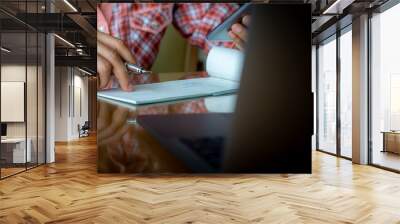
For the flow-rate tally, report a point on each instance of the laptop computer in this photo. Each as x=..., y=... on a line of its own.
x=271, y=128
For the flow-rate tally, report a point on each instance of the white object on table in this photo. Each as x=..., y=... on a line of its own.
x=225, y=63
x=19, y=155
x=224, y=66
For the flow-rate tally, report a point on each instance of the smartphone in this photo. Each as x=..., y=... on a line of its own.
x=220, y=33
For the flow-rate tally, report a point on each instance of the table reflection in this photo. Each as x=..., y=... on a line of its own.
x=125, y=147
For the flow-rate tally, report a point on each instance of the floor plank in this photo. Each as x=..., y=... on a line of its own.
x=71, y=191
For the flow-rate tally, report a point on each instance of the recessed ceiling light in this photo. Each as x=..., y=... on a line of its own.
x=65, y=41
x=70, y=5
x=84, y=71
x=5, y=49
x=337, y=7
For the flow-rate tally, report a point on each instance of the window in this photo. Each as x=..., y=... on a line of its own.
x=334, y=106
x=327, y=96
x=385, y=88
x=346, y=93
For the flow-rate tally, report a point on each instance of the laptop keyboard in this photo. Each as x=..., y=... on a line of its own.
x=208, y=148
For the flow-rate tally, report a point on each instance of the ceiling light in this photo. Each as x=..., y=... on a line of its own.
x=65, y=41
x=5, y=50
x=338, y=6
x=84, y=71
x=70, y=5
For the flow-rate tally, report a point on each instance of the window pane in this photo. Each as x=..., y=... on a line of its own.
x=327, y=96
x=346, y=94
x=386, y=88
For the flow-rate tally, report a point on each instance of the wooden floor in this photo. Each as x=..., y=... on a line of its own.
x=70, y=191
x=387, y=159
x=10, y=171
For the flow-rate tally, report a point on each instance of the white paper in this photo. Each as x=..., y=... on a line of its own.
x=225, y=63
x=223, y=66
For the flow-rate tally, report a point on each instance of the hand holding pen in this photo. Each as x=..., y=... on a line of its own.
x=111, y=57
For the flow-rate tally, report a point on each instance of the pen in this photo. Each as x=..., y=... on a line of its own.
x=136, y=69
x=131, y=121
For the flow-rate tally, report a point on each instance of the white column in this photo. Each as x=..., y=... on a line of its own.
x=50, y=98
x=360, y=90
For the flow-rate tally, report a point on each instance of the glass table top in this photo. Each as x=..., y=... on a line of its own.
x=125, y=147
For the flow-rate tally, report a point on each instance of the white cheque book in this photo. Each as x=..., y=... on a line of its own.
x=172, y=90
x=224, y=79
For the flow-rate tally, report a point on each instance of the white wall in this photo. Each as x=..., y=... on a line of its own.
x=71, y=94
x=81, y=100
x=61, y=104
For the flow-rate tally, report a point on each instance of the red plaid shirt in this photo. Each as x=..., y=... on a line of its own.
x=141, y=26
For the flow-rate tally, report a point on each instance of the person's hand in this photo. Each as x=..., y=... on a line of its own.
x=111, y=57
x=238, y=32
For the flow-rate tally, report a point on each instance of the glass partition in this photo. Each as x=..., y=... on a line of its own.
x=22, y=89
x=14, y=153
x=35, y=89
x=32, y=98
x=327, y=95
